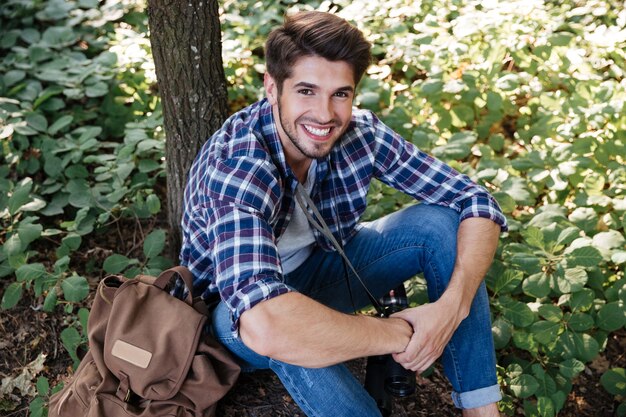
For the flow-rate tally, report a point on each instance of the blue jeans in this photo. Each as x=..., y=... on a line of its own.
x=385, y=252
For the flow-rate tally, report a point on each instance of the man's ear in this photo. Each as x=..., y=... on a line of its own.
x=271, y=89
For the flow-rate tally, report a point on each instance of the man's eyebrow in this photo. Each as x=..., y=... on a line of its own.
x=312, y=86
x=306, y=85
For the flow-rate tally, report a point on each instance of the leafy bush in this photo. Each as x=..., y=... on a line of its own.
x=81, y=141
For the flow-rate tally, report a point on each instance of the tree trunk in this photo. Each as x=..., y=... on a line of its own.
x=187, y=50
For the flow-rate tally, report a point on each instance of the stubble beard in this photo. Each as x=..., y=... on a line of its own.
x=293, y=138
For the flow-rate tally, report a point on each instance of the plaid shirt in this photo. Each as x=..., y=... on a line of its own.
x=240, y=196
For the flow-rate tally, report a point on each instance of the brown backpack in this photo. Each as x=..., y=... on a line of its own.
x=148, y=355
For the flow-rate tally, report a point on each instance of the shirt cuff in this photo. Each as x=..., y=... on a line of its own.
x=487, y=207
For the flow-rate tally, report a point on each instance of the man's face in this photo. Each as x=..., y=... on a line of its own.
x=313, y=109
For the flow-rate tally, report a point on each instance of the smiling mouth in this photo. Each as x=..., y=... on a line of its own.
x=316, y=131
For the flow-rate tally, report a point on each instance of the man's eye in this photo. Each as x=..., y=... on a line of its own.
x=305, y=91
x=341, y=94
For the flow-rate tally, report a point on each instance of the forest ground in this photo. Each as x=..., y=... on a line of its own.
x=26, y=332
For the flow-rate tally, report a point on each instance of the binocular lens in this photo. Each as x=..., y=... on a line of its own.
x=400, y=385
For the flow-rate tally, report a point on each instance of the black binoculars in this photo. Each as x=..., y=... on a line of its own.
x=384, y=377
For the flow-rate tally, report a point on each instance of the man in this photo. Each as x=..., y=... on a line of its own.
x=282, y=285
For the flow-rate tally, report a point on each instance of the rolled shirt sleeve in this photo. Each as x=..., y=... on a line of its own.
x=403, y=166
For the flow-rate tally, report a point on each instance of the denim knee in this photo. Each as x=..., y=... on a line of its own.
x=442, y=225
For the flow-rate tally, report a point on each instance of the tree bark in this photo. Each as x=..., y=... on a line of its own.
x=187, y=49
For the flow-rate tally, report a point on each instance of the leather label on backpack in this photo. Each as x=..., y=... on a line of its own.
x=132, y=354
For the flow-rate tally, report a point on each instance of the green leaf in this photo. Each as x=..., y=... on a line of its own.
x=517, y=312
x=619, y=257
x=605, y=241
x=72, y=241
x=37, y=407
x=570, y=368
x=534, y=237
x=369, y=100
x=83, y=317
x=37, y=122
x=20, y=196
x=160, y=263
x=508, y=82
x=581, y=300
x=59, y=124
x=71, y=341
x=545, y=332
x=611, y=316
x=506, y=202
x=528, y=262
x=585, y=218
x=545, y=407
x=154, y=243
x=30, y=272
x=59, y=36
x=578, y=346
x=585, y=256
x=580, y=322
x=451, y=151
x=523, y=386
x=12, y=295
x=551, y=313
x=431, y=87
x=43, y=387
x=523, y=339
x=494, y=101
x=547, y=386
x=97, y=90
x=508, y=281
x=593, y=183
x=5, y=268
x=559, y=398
x=53, y=166
x=29, y=232
x=502, y=331
x=518, y=189
x=462, y=115
x=614, y=381
x=574, y=279
x=567, y=235
x=75, y=288
x=115, y=264
x=13, y=77
x=148, y=165
x=153, y=203
x=51, y=300
x=537, y=285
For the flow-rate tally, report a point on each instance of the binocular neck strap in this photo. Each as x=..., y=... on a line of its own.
x=317, y=221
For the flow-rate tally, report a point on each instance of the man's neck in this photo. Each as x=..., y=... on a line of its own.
x=300, y=169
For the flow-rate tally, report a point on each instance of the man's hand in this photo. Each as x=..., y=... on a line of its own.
x=433, y=326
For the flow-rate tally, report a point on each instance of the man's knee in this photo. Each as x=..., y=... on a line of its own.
x=439, y=224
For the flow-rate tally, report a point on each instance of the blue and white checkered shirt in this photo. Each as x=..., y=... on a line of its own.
x=240, y=196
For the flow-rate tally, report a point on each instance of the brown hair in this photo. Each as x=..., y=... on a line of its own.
x=314, y=33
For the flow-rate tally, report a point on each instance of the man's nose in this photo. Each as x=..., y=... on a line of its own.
x=324, y=111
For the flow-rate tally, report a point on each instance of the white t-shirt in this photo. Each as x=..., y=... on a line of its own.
x=296, y=243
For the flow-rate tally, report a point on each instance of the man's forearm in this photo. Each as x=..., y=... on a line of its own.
x=296, y=329
x=477, y=241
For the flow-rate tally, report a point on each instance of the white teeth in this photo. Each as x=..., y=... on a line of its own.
x=317, y=132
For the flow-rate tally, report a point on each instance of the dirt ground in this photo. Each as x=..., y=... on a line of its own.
x=26, y=331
